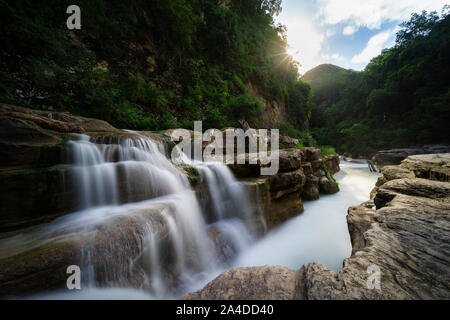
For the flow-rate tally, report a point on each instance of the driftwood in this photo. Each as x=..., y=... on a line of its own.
x=372, y=166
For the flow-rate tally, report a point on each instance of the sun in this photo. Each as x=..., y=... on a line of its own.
x=292, y=51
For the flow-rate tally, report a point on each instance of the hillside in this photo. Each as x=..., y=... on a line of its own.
x=153, y=65
x=401, y=99
x=327, y=82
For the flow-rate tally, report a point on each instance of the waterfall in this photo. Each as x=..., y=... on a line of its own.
x=142, y=223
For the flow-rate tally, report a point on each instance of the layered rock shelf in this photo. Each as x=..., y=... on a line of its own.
x=303, y=175
x=33, y=150
x=395, y=156
x=38, y=188
x=401, y=236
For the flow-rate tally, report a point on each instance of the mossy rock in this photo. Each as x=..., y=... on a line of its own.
x=33, y=195
x=38, y=270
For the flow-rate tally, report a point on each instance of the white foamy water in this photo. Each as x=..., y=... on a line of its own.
x=127, y=182
x=126, y=178
x=320, y=233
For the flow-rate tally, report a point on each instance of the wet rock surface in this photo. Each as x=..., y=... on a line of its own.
x=38, y=188
x=34, y=137
x=301, y=177
x=114, y=248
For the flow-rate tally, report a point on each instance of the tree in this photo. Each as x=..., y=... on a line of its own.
x=419, y=25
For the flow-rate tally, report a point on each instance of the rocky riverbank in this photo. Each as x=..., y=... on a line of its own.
x=395, y=156
x=38, y=187
x=403, y=232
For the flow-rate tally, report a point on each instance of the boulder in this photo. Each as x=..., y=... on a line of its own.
x=113, y=249
x=415, y=187
x=269, y=211
x=283, y=208
x=311, y=188
x=395, y=156
x=327, y=185
x=359, y=220
x=395, y=172
x=288, y=142
x=429, y=166
x=286, y=182
x=311, y=153
x=307, y=168
x=274, y=283
x=316, y=165
x=332, y=163
x=290, y=160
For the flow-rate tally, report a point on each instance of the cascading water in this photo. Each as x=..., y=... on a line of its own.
x=142, y=221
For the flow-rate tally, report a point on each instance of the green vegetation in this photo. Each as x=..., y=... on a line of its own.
x=305, y=137
x=151, y=65
x=327, y=150
x=327, y=83
x=328, y=173
x=402, y=98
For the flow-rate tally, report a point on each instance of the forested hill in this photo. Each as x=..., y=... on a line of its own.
x=401, y=99
x=327, y=82
x=153, y=65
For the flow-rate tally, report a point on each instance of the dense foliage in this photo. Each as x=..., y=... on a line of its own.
x=327, y=82
x=150, y=65
x=402, y=98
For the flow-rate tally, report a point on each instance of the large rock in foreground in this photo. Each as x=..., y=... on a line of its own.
x=112, y=251
x=254, y=283
x=401, y=244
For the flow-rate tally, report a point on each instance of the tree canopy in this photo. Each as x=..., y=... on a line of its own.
x=150, y=64
x=402, y=98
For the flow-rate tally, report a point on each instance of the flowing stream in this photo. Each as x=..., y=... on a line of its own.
x=151, y=231
x=320, y=233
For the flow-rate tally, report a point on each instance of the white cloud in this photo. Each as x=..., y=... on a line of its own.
x=330, y=32
x=371, y=13
x=349, y=30
x=334, y=56
x=306, y=42
x=373, y=47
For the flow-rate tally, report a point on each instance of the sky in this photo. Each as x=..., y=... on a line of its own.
x=347, y=33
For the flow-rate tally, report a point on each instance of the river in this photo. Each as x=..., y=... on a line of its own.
x=319, y=234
